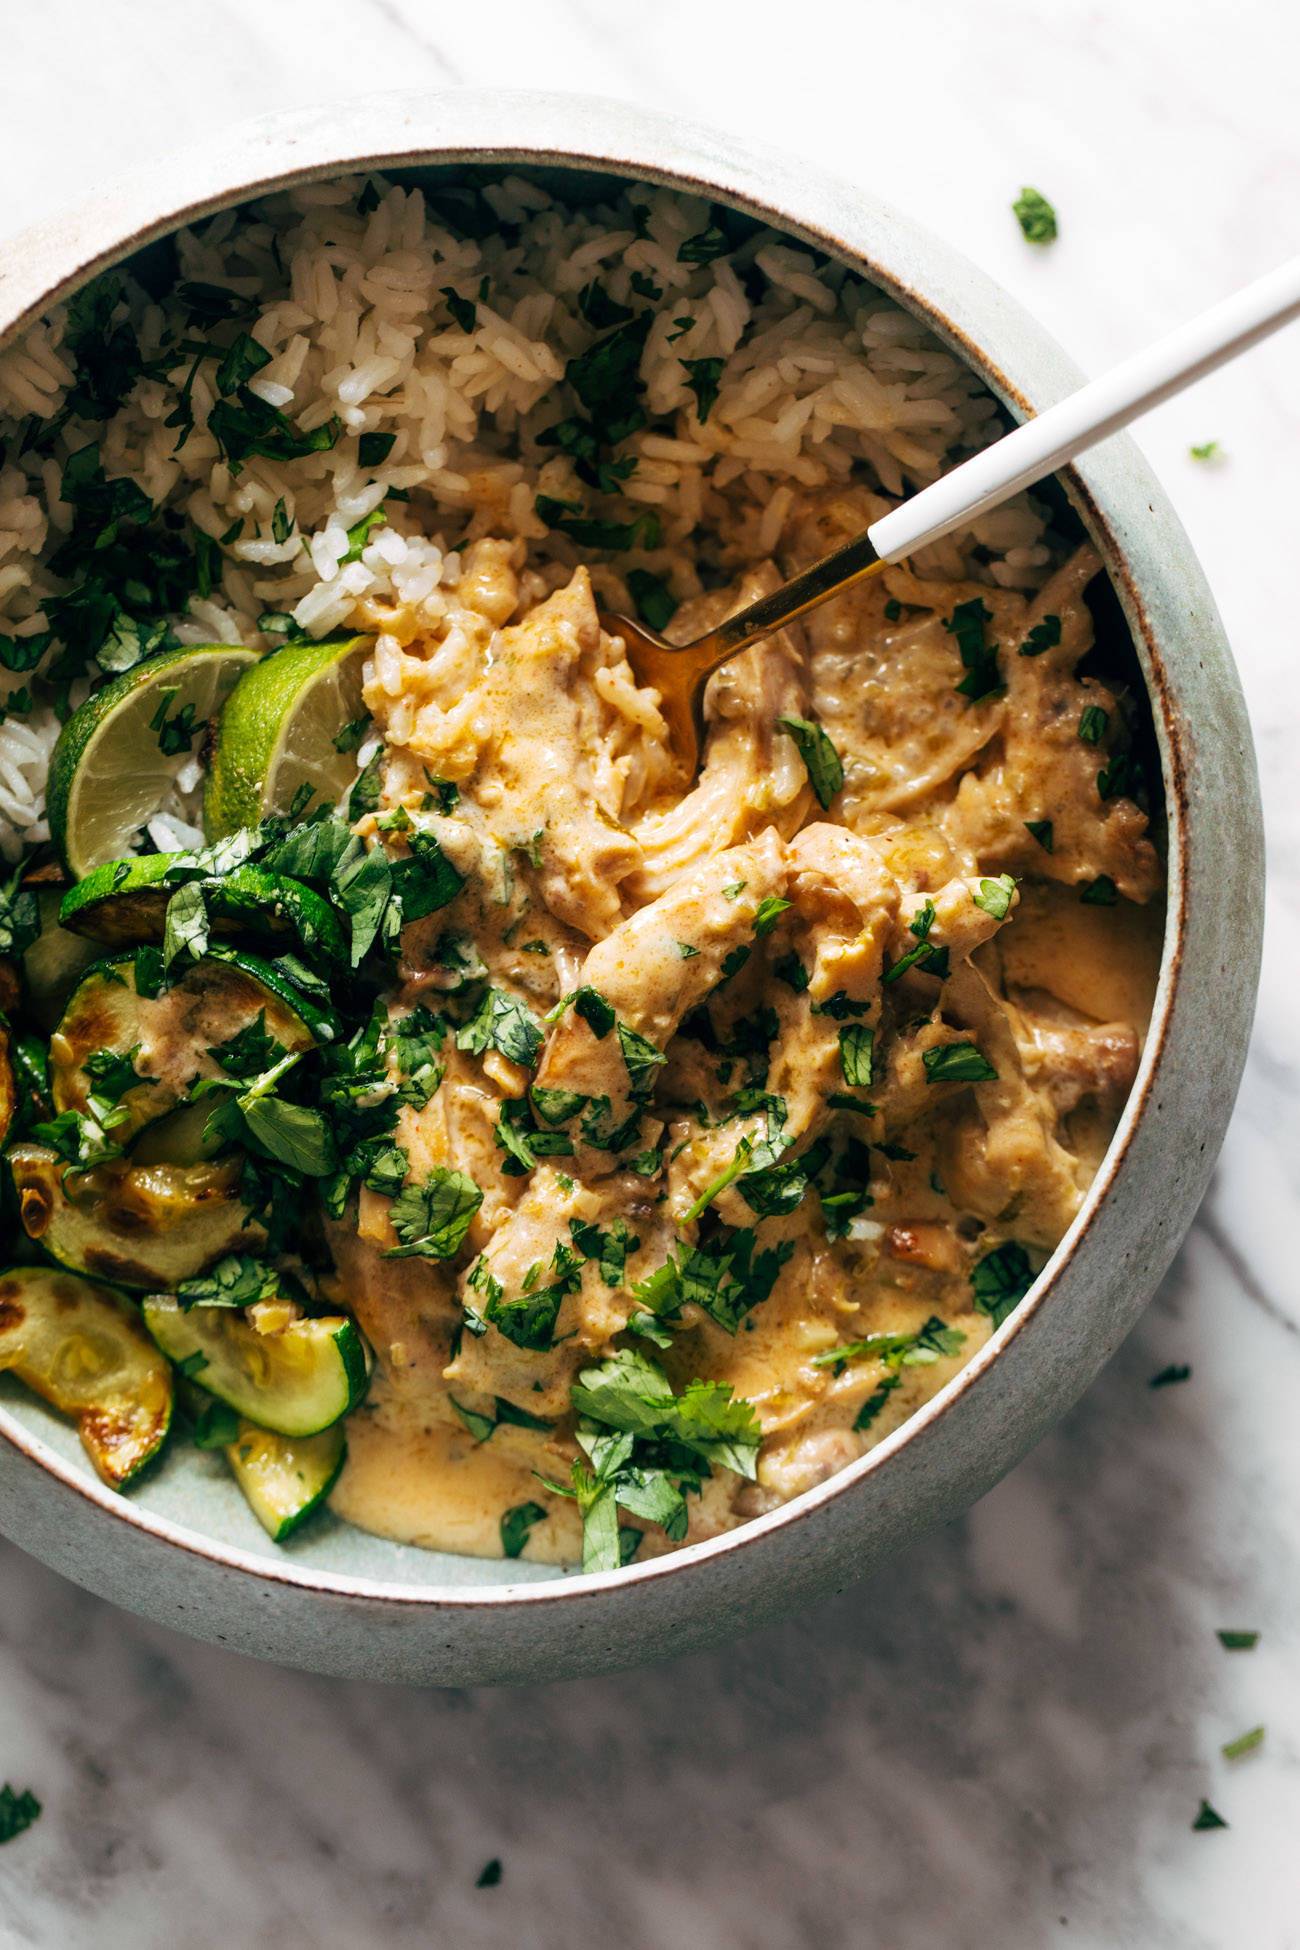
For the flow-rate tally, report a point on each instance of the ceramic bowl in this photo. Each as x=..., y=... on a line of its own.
x=183, y=1548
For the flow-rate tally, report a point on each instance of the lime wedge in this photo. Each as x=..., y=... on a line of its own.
x=279, y=733
x=119, y=751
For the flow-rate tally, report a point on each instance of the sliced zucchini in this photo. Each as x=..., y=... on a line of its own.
x=284, y=1478
x=296, y=1380
x=29, y=1059
x=9, y=1099
x=226, y=994
x=55, y=962
x=81, y=1347
x=138, y=1225
x=125, y=902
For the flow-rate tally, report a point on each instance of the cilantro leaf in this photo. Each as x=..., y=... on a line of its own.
x=979, y=658
x=957, y=1063
x=704, y=246
x=769, y=913
x=704, y=379
x=1001, y=1280
x=1043, y=636
x=856, y=1047
x=373, y=449
x=654, y=601
x=238, y=1280
x=431, y=1219
x=1035, y=215
x=995, y=896
x=516, y=1524
x=506, y=1024
x=249, y=1051
x=641, y=1058
x=17, y=1811
x=821, y=760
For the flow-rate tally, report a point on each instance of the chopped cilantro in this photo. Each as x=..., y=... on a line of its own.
x=920, y=1349
x=1035, y=215
x=516, y=1523
x=856, y=1047
x=591, y=532
x=979, y=659
x=18, y=1810
x=463, y=310
x=929, y=959
x=245, y=426
x=995, y=896
x=557, y=1106
x=1168, y=1376
x=20, y=915
x=654, y=600
x=431, y=1220
x=1208, y=450
x=704, y=377
x=641, y=1058
x=1001, y=1280
x=490, y=1874
x=529, y=1322
x=244, y=358
x=360, y=532
x=1208, y=1817
x=1043, y=636
x=821, y=760
x=1093, y=723
x=523, y=1142
x=957, y=1063
x=1101, y=892
x=769, y=913
x=1121, y=776
x=1040, y=830
x=1235, y=1639
x=373, y=449
x=704, y=246
x=506, y=1024
x=238, y=1280
x=591, y=1005
x=789, y=969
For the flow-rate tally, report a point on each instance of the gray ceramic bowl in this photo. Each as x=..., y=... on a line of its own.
x=183, y=1548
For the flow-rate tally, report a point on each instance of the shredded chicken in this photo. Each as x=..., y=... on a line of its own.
x=836, y=1076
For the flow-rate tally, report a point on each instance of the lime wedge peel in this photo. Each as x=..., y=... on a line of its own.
x=109, y=772
x=278, y=730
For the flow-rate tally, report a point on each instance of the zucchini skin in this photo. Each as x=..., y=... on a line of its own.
x=296, y=1382
x=328, y=1453
x=125, y=902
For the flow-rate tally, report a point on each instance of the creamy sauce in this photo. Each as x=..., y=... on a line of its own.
x=751, y=940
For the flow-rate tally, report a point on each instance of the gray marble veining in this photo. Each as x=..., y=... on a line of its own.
x=1006, y=1735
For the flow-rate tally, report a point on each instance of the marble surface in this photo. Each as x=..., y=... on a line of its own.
x=1006, y=1735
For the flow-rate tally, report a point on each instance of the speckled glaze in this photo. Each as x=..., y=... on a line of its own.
x=182, y=1548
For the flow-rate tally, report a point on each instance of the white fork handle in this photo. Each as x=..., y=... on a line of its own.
x=1043, y=444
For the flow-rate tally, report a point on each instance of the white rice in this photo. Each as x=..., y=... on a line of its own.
x=823, y=379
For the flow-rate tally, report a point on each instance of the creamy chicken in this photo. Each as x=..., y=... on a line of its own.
x=848, y=1068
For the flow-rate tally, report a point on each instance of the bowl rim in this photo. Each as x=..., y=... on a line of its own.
x=579, y=132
